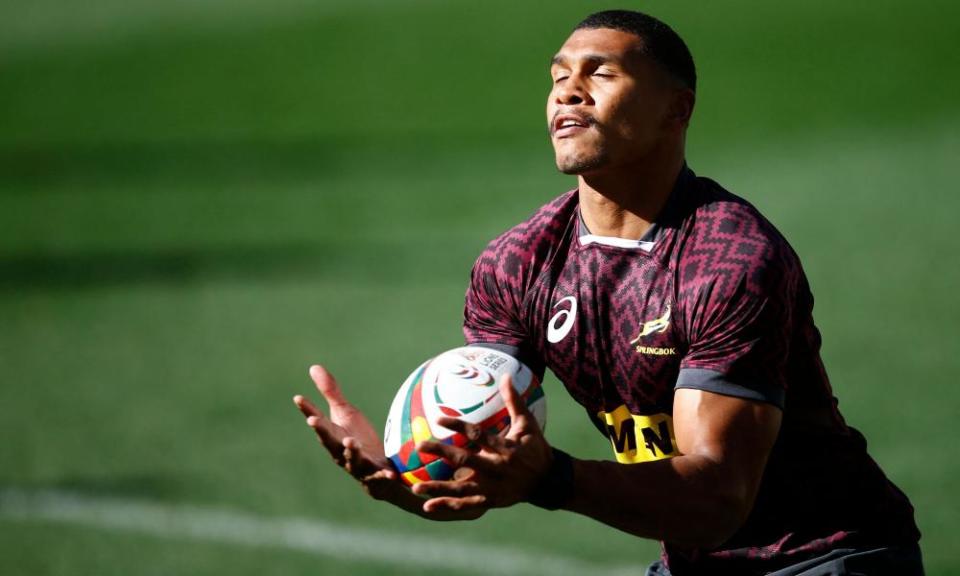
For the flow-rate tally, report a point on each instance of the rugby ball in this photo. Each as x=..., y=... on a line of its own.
x=460, y=383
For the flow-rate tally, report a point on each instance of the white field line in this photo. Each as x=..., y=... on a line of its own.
x=300, y=534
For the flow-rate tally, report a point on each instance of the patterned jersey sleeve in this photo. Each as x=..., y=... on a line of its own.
x=494, y=309
x=739, y=290
x=491, y=312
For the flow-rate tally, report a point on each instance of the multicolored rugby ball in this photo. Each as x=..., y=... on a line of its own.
x=460, y=383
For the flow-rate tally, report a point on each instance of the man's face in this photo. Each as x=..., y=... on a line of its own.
x=609, y=103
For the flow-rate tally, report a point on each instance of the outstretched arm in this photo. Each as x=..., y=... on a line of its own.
x=699, y=498
x=356, y=447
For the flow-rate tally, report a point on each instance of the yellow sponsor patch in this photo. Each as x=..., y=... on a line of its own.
x=639, y=438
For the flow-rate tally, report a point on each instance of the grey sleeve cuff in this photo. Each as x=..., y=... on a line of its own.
x=713, y=381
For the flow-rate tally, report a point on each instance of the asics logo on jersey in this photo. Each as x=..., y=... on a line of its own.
x=562, y=322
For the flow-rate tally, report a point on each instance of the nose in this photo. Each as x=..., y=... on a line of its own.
x=571, y=92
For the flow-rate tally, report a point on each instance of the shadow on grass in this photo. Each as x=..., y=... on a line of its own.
x=51, y=164
x=251, y=263
x=176, y=266
x=247, y=161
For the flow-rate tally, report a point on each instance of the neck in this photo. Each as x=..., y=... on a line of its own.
x=623, y=203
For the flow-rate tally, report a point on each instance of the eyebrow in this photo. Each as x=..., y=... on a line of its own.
x=560, y=60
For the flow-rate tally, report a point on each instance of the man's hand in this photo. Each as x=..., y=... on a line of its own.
x=506, y=469
x=356, y=447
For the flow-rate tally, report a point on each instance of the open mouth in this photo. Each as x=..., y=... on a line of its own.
x=567, y=125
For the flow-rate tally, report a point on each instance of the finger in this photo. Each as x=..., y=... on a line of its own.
x=305, y=406
x=381, y=475
x=356, y=461
x=384, y=485
x=516, y=407
x=447, y=515
x=351, y=457
x=330, y=436
x=436, y=488
x=474, y=434
x=327, y=385
x=463, y=473
x=457, y=425
x=448, y=503
x=463, y=478
x=457, y=457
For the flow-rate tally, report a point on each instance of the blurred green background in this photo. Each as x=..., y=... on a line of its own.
x=198, y=199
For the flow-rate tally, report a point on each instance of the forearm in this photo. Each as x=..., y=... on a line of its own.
x=688, y=500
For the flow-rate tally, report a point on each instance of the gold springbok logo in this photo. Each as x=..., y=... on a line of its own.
x=653, y=327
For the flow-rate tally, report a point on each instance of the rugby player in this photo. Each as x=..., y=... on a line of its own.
x=681, y=320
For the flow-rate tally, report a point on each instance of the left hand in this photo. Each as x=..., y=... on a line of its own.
x=505, y=470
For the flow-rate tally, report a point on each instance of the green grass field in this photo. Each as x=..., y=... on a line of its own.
x=198, y=200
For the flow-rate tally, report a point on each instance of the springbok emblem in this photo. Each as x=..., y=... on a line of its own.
x=653, y=327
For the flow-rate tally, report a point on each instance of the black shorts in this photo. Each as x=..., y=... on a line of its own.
x=902, y=561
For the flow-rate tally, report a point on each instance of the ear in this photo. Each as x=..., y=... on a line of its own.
x=681, y=106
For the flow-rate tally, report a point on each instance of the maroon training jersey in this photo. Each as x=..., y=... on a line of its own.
x=712, y=298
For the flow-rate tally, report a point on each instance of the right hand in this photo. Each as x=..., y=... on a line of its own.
x=356, y=447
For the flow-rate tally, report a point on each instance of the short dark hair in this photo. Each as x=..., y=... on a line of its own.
x=660, y=43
